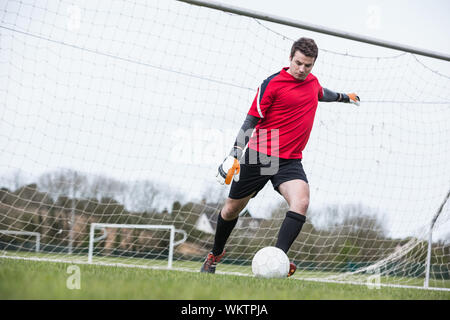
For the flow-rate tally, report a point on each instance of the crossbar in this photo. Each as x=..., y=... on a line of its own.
x=320, y=29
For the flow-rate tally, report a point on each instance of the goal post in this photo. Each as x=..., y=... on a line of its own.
x=430, y=240
x=103, y=226
x=25, y=233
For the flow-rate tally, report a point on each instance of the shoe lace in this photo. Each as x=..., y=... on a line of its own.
x=212, y=259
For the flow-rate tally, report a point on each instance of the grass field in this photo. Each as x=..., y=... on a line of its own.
x=22, y=279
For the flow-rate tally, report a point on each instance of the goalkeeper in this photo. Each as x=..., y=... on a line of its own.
x=282, y=115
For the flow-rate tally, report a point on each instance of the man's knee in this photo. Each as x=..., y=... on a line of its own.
x=230, y=210
x=300, y=205
x=233, y=207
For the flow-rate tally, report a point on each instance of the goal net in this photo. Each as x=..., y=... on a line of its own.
x=120, y=113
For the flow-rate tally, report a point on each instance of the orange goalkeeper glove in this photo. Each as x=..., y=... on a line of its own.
x=350, y=98
x=228, y=170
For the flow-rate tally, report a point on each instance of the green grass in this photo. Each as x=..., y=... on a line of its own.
x=22, y=279
x=223, y=267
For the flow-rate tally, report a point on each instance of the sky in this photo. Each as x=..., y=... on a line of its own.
x=157, y=90
x=422, y=24
x=416, y=23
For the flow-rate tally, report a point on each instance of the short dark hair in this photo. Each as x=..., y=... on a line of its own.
x=306, y=46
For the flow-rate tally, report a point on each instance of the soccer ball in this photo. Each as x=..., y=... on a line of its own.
x=270, y=262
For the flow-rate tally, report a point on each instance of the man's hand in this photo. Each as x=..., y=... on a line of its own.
x=351, y=98
x=228, y=170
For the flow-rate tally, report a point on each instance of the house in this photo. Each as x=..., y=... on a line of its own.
x=207, y=222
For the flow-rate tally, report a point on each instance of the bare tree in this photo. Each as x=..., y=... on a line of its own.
x=13, y=180
x=143, y=196
x=105, y=187
x=65, y=182
x=352, y=217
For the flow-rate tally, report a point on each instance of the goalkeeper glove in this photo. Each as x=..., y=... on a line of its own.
x=229, y=169
x=349, y=98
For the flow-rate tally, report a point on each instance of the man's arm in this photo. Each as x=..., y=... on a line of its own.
x=331, y=96
x=230, y=167
x=244, y=135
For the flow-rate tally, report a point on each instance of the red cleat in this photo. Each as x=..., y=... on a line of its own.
x=292, y=269
x=209, y=266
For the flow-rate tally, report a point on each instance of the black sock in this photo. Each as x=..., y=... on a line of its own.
x=289, y=230
x=223, y=231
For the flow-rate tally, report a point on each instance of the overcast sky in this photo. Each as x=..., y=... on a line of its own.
x=423, y=24
x=158, y=89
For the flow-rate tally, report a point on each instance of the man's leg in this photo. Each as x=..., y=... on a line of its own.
x=226, y=221
x=296, y=193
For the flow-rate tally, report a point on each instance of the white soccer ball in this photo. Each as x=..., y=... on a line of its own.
x=270, y=262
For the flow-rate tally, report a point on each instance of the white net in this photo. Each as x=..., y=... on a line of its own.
x=120, y=112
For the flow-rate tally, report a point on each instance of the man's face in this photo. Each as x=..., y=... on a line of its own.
x=300, y=65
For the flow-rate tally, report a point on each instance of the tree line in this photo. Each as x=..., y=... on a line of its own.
x=62, y=205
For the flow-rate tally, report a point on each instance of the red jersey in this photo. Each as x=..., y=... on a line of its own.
x=286, y=105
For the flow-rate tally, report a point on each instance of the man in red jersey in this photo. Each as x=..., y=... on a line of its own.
x=275, y=132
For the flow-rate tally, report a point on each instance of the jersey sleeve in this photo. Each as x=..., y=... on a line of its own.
x=320, y=93
x=263, y=100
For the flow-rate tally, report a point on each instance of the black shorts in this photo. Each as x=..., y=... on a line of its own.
x=256, y=173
